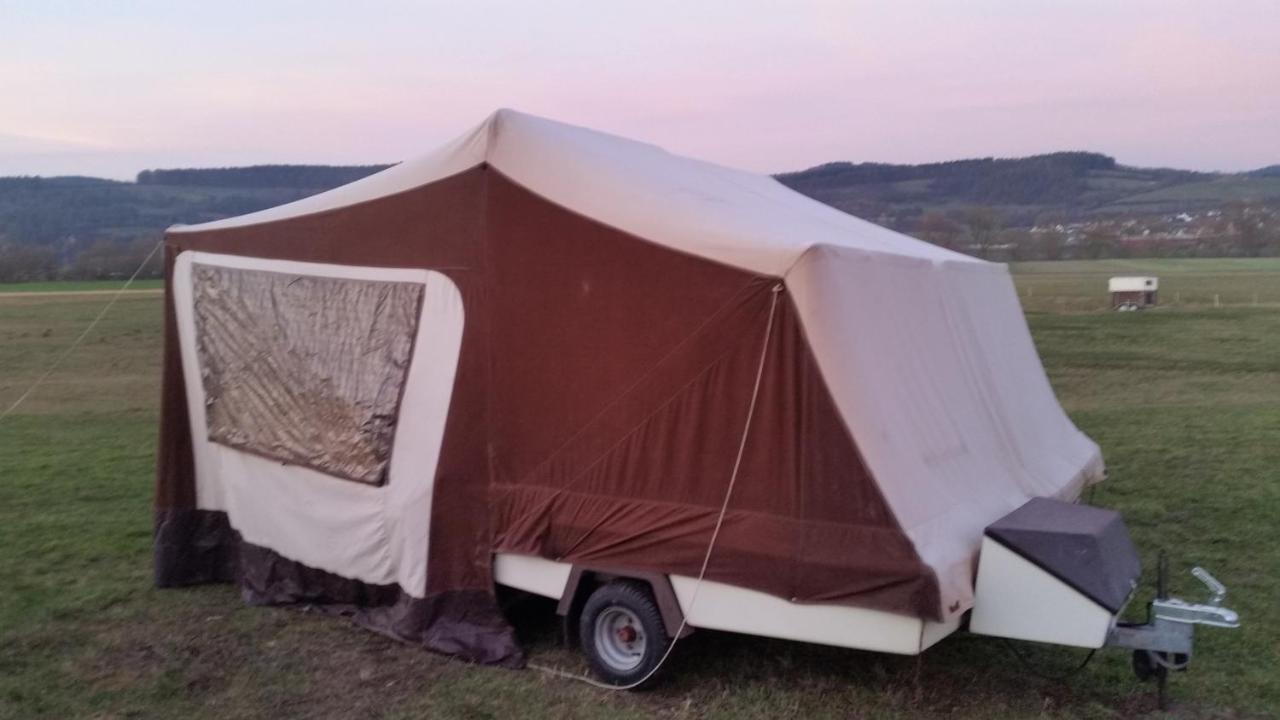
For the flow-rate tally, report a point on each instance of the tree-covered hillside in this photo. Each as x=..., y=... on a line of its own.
x=260, y=176
x=81, y=210
x=82, y=227
x=1074, y=184
x=1060, y=178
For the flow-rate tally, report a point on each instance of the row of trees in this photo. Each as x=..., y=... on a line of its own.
x=976, y=230
x=1056, y=178
x=102, y=260
x=47, y=211
x=1238, y=229
x=260, y=176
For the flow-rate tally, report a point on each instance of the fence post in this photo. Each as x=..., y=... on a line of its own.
x=1216, y=300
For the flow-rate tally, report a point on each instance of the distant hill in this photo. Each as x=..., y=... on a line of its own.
x=261, y=176
x=1075, y=184
x=44, y=211
x=70, y=214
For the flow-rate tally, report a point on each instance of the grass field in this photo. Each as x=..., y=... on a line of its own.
x=79, y=286
x=1217, y=191
x=1081, y=286
x=1185, y=402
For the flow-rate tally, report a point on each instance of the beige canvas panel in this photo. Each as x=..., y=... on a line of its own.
x=935, y=373
x=376, y=534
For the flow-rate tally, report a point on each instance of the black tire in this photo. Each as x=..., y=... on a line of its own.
x=1149, y=664
x=1146, y=668
x=622, y=634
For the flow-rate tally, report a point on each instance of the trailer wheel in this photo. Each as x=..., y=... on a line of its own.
x=1145, y=668
x=621, y=633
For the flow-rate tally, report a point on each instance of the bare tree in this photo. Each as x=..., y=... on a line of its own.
x=27, y=263
x=984, y=228
x=1050, y=235
x=1101, y=241
x=1051, y=242
x=1021, y=244
x=115, y=260
x=1247, y=227
x=936, y=228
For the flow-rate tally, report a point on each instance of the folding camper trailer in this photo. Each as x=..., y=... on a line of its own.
x=668, y=394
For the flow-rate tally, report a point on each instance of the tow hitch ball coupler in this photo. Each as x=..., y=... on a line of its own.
x=1212, y=613
x=1164, y=642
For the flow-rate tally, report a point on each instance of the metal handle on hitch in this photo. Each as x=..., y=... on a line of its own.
x=1217, y=589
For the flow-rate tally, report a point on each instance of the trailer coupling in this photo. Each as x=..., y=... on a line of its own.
x=1164, y=642
x=1077, y=565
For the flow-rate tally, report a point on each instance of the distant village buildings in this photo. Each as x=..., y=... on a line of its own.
x=1243, y=231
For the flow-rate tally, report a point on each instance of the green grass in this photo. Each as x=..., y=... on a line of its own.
x=78, y=286
x=1185, y=402
x=1081, y=285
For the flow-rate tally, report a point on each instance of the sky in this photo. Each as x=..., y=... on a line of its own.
x=111, y=88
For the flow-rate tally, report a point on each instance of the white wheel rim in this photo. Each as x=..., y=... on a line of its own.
x=619, y=639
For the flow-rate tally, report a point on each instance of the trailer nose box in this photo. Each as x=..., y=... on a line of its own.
x=1054, y=572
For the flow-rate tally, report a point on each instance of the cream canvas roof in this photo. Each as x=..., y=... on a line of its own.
x=742, y=219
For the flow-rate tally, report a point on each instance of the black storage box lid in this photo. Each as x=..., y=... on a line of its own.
x=1085, y=547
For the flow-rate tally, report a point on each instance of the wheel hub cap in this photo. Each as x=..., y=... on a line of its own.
x=619, y=639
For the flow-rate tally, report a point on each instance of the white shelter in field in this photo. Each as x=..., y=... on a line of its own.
x=1133, y=291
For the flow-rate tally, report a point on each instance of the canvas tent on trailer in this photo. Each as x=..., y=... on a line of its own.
x=556, y=347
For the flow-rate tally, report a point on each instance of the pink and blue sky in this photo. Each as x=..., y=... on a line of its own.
x=111, y=88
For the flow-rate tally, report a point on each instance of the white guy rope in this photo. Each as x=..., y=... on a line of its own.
x=715, y=533
x=58, y=361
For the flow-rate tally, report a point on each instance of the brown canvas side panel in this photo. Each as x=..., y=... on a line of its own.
x=179, y=558
x=805, y=521
x=580, y=314
x=459, y=555
x=175, y=477
x=436, y=227
x=623, y=374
